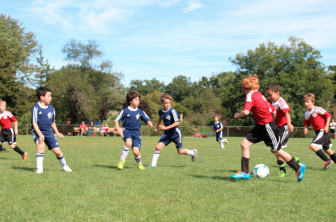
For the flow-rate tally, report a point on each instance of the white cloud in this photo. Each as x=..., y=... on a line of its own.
x=192, y=6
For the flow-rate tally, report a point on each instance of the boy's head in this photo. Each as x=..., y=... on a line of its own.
x=133, y=98
x=2, y=106
x=250, y=83
x=166, y=101
x=309, y=101
x=44, y=95
x=273, y=92
x=216, y=118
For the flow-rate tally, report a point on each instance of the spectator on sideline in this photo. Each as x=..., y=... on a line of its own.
x=106, y=129
x=68, y=121
x=102, y=130
x=83, y=127
x=91, y=129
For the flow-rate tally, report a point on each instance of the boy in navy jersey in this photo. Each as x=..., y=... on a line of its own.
x=131, y=117
x=283, y=121
x=320, y=120
x=7, y=133
x=266, y=130
x=218, y=131
x=43, y=121
x=171, y=131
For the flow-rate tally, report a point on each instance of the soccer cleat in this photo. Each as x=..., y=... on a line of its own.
x=141, y=167
x=282, y=174
x=39, y=171
x=24, y=156
x=222, y=147
x=300, y=172
x=327, y=164
x=241, y=175
x=66, y=168
x=225, y=141
x=3, y=150
x=152, y=166
x=121, y=165
x=194, y=157
x=297, y=159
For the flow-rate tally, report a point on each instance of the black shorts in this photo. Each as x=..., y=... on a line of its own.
x=8, y=135
x=269, y=133
x=321, y=140
x=284, y=135
x=332, y=131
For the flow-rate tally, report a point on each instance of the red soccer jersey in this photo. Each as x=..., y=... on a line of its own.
x=106, y=128
x=317, y=117
x=83, y=126
x=260, y=107
x=6, y=119
x=282, y=108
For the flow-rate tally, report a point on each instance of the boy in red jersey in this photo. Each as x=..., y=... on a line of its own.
x=266, y=130
x=283, y=121
x=320, y=119
x=7, y=133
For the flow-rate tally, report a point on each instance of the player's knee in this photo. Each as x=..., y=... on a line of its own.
x=12, y=146
x=311, y=147
x=243, y=145
x=180, y=151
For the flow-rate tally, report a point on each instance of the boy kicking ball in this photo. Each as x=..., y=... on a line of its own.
x=172, y=133
x=43, y=121
x=218, y=131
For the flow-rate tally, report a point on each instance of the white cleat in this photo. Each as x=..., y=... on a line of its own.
x=39, y=171
x=67, y=168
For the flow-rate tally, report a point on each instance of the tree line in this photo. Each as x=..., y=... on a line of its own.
x=87, y=88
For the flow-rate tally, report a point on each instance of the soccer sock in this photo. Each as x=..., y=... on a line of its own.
x=190, y=152
x=292, y=163
x=245, y=162
x=333, y=157
x=155, y=157
x=222, y=145
x=1, y=147
x=138, y=160
x=39, y=160
x=281, y=165
x=124, y=153
x=322, y=155
x=62, y=160
x=18, y=150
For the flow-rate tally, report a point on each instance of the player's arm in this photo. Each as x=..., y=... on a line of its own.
x=38, y=132
x=243, y=113
x=119, y=131
x=306, y=124
x=15, y=128
x=54, y=127
x=326, y=128
x=289, y=122
x=274, y=115
x=157, y=125
x=175, y=124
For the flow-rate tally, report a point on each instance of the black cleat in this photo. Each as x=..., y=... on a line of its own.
x=327, y=164
x=3, y=150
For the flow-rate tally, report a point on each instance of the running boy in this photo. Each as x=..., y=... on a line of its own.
x=218, y=131
x=43, y=121
x=7, y=133
x=171, y=131
x=266, y=130
x=320, y=119
x=332, y=129
x=131, y=117
x=283, y=121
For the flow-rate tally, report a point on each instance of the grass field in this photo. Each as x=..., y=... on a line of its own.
x=177, y=190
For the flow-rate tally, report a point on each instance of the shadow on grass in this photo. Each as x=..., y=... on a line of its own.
x=215, y=177
x=315, y=169
x=24, y=168
x=108, y=166
x=231, y=171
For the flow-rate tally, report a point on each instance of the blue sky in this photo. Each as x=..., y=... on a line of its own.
x=162, y=39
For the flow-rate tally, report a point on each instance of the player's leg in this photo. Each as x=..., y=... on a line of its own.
x=11, y=139
x=316, y=145
x=59, y=155
x=219, y=139
x=137, y=158
x=125, y=151
x=156, y=154
x=2, y=149
x=327, y=148
x=284, y=134
x=39, y=156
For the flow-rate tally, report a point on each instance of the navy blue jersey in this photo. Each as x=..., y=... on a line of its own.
x=132, y=118
x=43, y=116
x=169, y=117
x=217, y=126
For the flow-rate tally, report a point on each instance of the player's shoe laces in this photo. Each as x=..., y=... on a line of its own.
x=66, y=168
x=300, y=172
x=120, y=165
x=241, y=175
x=194, y=157
x=152, y=166
x=141, y=167
x=39, y=171
x=24, y=156
x=282, y=174
x=327, y=164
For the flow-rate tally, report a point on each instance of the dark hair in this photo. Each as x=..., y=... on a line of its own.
x=42, y=91
x=132, y=94
x=274, y=87
x=165, y=96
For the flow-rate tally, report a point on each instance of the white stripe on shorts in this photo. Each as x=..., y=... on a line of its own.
x=273, y=138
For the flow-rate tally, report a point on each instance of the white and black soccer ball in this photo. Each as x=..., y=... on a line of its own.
x=261, y=171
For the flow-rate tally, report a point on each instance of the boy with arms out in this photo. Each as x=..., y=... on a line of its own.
x=218, y=131
x=283, y=121
x=43, y=121
x=131, y=117
x=7, y=133
x=171, y=131
x=320, y=120
x=266, y=130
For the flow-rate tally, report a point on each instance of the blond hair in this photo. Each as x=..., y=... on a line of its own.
x=165, y=96
x=2, y=101
x=309, y=96
x=250, y=83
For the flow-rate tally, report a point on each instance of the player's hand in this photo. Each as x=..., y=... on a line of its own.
x=16, y=131
x=60, y=135
x=150, y=124
x=326, y=129
x=236, y=116
x=163, y=127
x=120, y=133
x=290, y=128
x=155, y=130
x=305, y=132
x=41, y=139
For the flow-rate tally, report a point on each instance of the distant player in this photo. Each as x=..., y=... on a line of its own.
x=218, y=131
x=131, y=117
x=266, y=130
x=332, y=129
x=43, y=121
x=320, y=119
x=283, y=121
x=172, y=133
x=7, y=133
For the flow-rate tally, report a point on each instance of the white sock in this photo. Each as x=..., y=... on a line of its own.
x=39, y=160
x=222, y=145
x=138, y=160
x=223, y=140
x=155, y=157
x=124, y=153
x=190, y=152
x=62, y=160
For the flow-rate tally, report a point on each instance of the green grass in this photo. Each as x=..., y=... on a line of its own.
x=177, y=190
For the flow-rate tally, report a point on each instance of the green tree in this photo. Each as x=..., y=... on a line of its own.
x=145, y=87
x=180, y=88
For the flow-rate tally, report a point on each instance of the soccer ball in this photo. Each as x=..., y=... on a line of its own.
x=261, y=171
